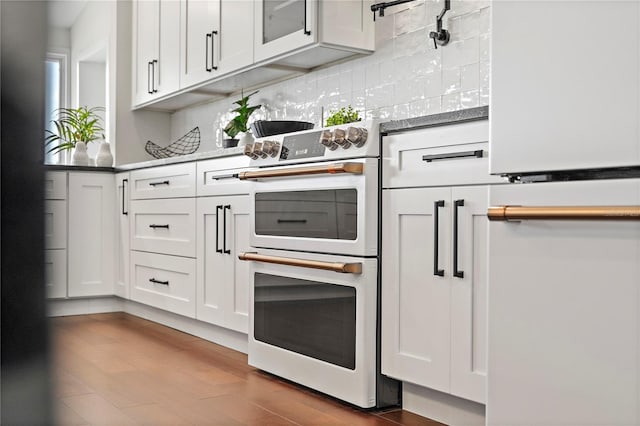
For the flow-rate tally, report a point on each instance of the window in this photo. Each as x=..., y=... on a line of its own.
x=55, y=95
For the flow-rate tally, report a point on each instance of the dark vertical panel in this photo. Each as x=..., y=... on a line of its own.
x=24, y=339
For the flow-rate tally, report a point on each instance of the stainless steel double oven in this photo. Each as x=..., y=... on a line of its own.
x=314, y=259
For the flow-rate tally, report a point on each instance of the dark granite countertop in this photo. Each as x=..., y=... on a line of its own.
x=471, y=114
x=72, y=168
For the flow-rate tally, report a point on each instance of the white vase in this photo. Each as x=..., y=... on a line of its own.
x=80, y=156
x=104, y=157
x=245, y=139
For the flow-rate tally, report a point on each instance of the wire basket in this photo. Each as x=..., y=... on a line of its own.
x=187, y=144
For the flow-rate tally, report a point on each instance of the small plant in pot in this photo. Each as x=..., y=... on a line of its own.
x=343, y=116
x=238, y=124
x=74, y=129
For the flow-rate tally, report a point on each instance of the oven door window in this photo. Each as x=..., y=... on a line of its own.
x=327, y=214
x=307, y=317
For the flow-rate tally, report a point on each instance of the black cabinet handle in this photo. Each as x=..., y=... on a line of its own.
x=449, y=155
x=213, y=56
x=124, y=187
x=436, y=226
x=292, y=220
x=164, y=182
x=153, y=76
x=153, y=280
x=218, y=209
x=149, y=72
x=206, y=52
x=456, y=272
x=224, y=231
x=153, y=226
x=306, y=31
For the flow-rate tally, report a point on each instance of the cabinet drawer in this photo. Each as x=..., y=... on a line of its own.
x=456, y=154
x=55, y=186
x=215, y=177
x=55, y=224
x=165, y=282
x=164, y=182
x=164, y=226
x=55, y=273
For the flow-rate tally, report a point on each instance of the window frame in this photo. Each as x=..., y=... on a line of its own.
x=61, y=56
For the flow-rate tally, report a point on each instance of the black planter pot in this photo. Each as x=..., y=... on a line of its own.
x=229, y=143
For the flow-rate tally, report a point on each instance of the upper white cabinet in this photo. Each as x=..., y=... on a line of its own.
x=217, y=38
x=156, y=48
x=565, y=85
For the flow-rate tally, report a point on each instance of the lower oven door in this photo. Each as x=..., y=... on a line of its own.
x=332, y=210
x=313, y=321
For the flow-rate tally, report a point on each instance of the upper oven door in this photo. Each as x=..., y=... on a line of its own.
x=327, y=207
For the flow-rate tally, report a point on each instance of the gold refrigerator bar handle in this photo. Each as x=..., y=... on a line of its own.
x=517, y=213
x=353, y=168
x=348, y=268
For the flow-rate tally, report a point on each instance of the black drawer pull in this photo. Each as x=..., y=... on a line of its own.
x=164, y=182
x=292, y=220
x=153, y=280
x=159, y=226
x=478, y=153
x=456, y=204
x=219, y=177
x=436, y=226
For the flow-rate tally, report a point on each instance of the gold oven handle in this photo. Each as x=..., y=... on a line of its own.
x=352, y=168
x=516, y=213
x=348, y=268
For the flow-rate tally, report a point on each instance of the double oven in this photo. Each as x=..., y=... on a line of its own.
x=314, y=260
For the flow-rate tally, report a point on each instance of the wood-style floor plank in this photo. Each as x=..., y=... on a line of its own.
x=117, y=369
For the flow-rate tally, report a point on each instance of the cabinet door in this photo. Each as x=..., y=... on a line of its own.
x=91, y=234
x=284, y=25
x=469, y=292
x=55, y=224
x=146, y=15
x=55, y=272
x=167, y=71
x=415, y=301
x=223, y=280
x=214, y=43
x=122, y=235
x=551, y=60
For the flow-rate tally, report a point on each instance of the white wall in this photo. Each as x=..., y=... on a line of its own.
x=405, y=77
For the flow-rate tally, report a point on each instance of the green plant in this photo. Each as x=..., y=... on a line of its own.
x=75, y=125
x=342, y=116
x=239, y=122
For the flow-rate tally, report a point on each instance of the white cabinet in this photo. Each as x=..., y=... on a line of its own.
x=91, y=234
x=434, y=288
x=217, y=38
x=564, y=314
x=55, y=224
x=55, y=272
x=176, y=180
x=156, y=49
x=122, y=235
x=223, y=280
x=552, y=61
x=55, y=238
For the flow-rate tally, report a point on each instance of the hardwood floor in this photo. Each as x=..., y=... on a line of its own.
x=117, y=369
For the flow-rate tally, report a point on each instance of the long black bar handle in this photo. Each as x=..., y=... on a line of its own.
x=478, y=153
x=306, y=31
x=154, y=226
x=218, y=210
x=213, y=56
x=124, y=188
x=149, y=66
x=164, y=182
x=153, y=280
x=224, y=231
x=292, y=220
x=456, y=204
x=206, y=52
x=153, y=76
x=436, y=225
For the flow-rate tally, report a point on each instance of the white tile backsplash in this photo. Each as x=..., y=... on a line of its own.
x=405, y=77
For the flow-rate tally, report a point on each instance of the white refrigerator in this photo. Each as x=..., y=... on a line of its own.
x=564, y=242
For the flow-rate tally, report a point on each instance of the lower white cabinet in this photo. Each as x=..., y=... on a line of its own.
x=165, y=282
x=434, y=288
x=121, y=287
x=55, y=224
x=91, y=234
x=55, y=272
x=223, y=280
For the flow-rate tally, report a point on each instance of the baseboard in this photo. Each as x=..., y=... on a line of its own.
x=442, y=407
x=96, y=305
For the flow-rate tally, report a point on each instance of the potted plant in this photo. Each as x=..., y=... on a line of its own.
x=238, y=124
x=342, y=116
x=74, y=129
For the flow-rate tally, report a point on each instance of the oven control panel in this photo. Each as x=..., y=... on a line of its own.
x=338, y=142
